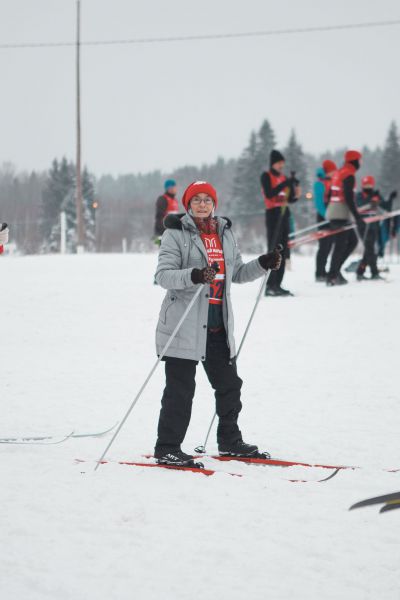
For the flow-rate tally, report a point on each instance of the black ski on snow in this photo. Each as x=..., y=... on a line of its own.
x=391, y=501
x=52, y=439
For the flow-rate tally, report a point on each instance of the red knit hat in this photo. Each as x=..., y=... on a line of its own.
x=199, y=187
x=368, y=180
x=352, y=155
x=329, y=166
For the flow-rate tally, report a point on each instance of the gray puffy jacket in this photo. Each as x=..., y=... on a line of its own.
x=182, y=250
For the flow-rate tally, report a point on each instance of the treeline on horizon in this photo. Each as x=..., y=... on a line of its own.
x=119, y=211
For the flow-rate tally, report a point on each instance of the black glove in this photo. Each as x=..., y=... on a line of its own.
x=292, y=181
x=393, y=195
x=272, y=260
x=206, y=275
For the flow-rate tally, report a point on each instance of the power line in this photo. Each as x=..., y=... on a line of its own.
x=211, y=36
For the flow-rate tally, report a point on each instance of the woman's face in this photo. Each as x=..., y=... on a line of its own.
x=202, y=205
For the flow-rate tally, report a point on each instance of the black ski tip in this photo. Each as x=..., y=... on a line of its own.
x=377, y=500
x=331, y=476
x=391, y=506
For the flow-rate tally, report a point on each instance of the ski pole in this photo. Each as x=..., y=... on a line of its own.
x=306, y=229
x=167, y=345
x=202, y=449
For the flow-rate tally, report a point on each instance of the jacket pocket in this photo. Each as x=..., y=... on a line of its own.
x=166, y=305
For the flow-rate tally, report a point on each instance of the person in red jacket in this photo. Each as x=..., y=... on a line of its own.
x=340, y=209
x=3, y=236
x=166, y=204
x=279, y=191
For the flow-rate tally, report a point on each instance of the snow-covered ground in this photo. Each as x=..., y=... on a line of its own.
x=321, y=385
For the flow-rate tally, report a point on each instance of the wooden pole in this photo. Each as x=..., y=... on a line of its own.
x=79, y=199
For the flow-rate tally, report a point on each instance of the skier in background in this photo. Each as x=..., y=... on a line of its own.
x=370, y=203
x=4, y=231
x=166, y=204
x=279, y=191
x=341, y=207
x=321, y=192
x=389, y=228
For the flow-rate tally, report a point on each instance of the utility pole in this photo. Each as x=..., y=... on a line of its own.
x=79, y=199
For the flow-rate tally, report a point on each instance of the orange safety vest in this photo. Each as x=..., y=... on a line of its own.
x=172, y=205
x=337, y=193
x=281, y=198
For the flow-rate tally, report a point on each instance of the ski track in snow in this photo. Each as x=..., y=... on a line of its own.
x=320, y=385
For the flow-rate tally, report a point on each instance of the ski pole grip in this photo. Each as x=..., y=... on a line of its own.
x=3, y=226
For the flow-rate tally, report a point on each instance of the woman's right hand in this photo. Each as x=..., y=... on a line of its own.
x=272, y=260
x=206, y=275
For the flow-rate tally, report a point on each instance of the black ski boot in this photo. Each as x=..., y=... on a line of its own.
x=277, y=291
x=361, y=277
x=241, y=449
x=339, y=280
x=377, y=276
x=176, y=458
x=284, y=292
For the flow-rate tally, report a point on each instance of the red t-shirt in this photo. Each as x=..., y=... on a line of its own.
x=215, y=253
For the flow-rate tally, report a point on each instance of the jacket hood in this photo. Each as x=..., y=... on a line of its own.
x=183, y=220
x=320, y=173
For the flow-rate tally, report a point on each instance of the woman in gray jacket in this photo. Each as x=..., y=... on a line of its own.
x=192, y=243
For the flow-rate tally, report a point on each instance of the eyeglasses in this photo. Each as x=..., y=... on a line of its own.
x=197, y=200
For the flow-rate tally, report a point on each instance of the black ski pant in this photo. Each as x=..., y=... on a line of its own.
x=370, y=256
x=176, y=403
x=324, y=248
x=344, y=244
x=277, y=221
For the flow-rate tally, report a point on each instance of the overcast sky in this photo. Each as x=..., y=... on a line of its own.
x=160, y=106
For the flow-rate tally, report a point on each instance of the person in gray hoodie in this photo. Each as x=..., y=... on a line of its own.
x=192, y=242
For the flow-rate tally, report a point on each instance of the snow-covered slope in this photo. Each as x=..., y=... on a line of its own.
x=320, y=385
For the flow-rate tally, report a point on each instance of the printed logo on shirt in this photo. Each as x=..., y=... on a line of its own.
x=215, y=253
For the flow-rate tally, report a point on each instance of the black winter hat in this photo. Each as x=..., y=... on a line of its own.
x=275, y=157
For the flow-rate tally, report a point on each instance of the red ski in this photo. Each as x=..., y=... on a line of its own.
x=323, y=233
x=132, y=463
x=207, y=472
x=275, y=462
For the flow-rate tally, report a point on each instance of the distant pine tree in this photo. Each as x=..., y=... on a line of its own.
x=60, y=181
x=389, y=177
x=266, y=142
x=297, y=161
x=253, y=161
x=89, y=211
x=59, y=195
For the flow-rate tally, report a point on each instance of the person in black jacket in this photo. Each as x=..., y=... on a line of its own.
x=279, y=191
x=370, y=203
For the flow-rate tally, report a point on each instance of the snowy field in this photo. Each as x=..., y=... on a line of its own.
x=320, y=384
